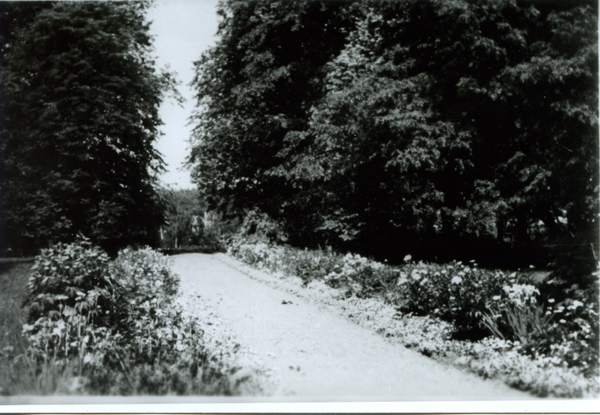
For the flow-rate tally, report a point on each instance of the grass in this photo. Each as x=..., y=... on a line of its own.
x=13, y=289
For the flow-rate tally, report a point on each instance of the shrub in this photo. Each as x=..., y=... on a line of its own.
x=454, y=292
x=67, y=352
x=164, y=354
x=259, y=226
x=145, y=282
x=69, y=276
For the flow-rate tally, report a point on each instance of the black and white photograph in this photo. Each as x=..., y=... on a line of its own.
x=293, y=202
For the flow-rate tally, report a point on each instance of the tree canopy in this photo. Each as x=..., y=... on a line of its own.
x=463, y=129
x=79, y=107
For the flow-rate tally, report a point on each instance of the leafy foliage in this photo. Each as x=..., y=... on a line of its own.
x=448, y=130
x=183, y=206
x=189, y=225
x=145, y=275
x=80, y=101
x=68, y=275
x=453, y=292
x=253, y=88
x=13, y=280
x=259, y=226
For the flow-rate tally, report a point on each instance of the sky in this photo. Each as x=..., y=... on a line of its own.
x=182, y=30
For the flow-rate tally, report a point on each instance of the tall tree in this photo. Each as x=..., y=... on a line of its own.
x=451, y=128
x=80, y=115
x=254, y=87
x=444, y=129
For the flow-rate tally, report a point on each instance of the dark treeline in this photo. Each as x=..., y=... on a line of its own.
x=79, y=100
x=447, y=130
x=189, y=226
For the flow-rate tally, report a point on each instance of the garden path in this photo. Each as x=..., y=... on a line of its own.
x=317, y=355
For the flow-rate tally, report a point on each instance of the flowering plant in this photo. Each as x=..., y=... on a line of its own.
x=566, y=332
x=454, y=292
x=516, y=315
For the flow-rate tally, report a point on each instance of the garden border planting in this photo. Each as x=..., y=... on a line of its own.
x=99, y=327
x=561, y=373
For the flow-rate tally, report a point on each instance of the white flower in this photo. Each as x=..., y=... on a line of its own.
x=415, y=275
x=407, y=258
x=521, y=293
x=402, y=278
x=456, y=280
x=496, y=298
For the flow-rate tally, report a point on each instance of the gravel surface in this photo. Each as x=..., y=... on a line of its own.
x=314, y=353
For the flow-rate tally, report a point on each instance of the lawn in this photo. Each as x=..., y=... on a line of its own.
x=13, y=289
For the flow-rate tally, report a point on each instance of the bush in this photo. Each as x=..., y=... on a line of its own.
x=454, y=292
x=66, y=276
x=144, y=275
x=259, y=226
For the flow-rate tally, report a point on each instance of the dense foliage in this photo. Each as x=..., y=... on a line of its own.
x=78, y=118
x=448, y=130
x=491, y=322
x=63, y=275
x=257, y=84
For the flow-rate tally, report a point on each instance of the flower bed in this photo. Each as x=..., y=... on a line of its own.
x=96, y=326
x=545, y=343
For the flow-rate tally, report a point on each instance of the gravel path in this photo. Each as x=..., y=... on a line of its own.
x=316, y=354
